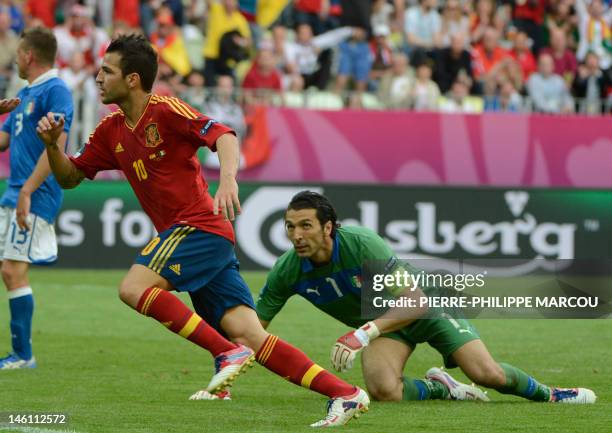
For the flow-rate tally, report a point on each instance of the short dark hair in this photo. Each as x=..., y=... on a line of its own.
x=314, y=200
x=41, y=41
x=137, y=56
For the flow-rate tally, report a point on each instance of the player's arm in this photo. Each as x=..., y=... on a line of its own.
x=66, y=173
x=273, y=296
x=347, y=347
x=5, y=140
x=39, y=174
x=6, y=106
x=226, y=198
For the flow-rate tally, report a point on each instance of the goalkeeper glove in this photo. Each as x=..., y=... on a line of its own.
x=349, y=345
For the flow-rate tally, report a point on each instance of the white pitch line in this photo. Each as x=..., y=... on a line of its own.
x=34, y=430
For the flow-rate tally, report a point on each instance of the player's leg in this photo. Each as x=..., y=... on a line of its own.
x=19, y=248
x=478, y=364
x=21, y=306
x=383, y=363
x=227, y=303
x=149, y=293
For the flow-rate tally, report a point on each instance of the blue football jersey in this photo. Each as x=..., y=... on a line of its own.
x=47, y=93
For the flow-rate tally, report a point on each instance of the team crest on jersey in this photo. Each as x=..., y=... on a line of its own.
x=29, y=109
x=152, y=137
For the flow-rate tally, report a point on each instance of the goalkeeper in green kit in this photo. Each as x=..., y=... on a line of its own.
x=326, y=266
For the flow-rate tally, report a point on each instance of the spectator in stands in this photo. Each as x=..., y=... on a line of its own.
x=320, y=15
x=9, y=42
x=127, y=11
x=547, y=90
x=454, y=21
x=564, y=58
x=355, y=61
x=481, y=20
x=395, y=84
x=505, y=98
x=452, y=62
x=224, y=108
x=43, y=10
x=590, y=85
x=169, y=43
x=422, y=27
x=84, y=91
x=529, y=17
x=80, y=34
x=487, y=54
x=522, y=54
x=458, y=100
x=195, y=92
x=381, y=54
x=560, y=18
x=382, y=14
x=263, y=78
x=595, y=32
x=224, y=21
x=15, y=12
x=302, y=55
x=424, y=92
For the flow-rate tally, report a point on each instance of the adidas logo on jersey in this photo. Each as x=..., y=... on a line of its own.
x=119, y=148
x=176, y=268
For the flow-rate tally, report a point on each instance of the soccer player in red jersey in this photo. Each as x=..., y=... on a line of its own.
x=154, y=140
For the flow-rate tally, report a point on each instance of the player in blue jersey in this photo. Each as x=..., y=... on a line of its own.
x=32, y=198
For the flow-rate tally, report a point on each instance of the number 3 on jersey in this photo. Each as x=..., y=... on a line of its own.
x=141, y=171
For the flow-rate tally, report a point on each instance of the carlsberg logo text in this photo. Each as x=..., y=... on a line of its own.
x=478, y=238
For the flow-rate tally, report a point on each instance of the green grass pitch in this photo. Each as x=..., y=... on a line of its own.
x=114, y=371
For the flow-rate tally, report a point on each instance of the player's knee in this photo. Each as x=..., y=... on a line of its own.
x=252, y=338
x=490, y=375
x=385, y=391
x=129, y=295
x=12, y=278
x=383, y=387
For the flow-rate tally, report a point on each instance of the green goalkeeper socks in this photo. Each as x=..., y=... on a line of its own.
x=423, y=389
x=520, y=383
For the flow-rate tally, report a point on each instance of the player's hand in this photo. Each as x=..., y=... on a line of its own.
x=226, y=199
x=8, y=105
x=50, y=128
x=347, y=347
x=23, y=209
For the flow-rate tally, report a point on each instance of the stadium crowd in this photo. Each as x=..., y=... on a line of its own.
x=551, y=56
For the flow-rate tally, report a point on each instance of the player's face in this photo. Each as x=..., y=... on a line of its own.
x=306, y=233
x=22, y=60
x=113, y=86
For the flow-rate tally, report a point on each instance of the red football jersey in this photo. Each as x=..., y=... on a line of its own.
x=158, y=157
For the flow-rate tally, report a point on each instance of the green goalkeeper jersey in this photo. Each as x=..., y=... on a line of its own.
x=334, y=288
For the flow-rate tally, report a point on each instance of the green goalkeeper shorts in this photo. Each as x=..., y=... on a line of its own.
x=446, y=335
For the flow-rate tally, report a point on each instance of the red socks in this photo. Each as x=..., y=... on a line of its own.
x=293, y=365
x=171, y=312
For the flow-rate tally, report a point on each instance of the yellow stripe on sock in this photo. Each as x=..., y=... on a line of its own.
x=265, y=355
x=163, y=247
x=310, y=375
x=264, y=348
x=190, y=326
x=152, y=296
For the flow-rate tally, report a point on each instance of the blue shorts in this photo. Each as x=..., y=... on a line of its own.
x=355, y=60
x=201, y=263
